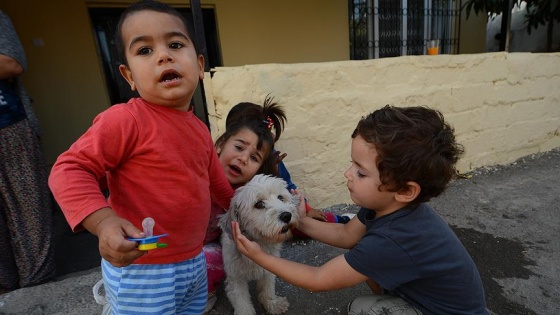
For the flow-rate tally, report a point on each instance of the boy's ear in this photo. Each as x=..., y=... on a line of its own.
x=127, y=75
x=409, y=194
x=201, y=67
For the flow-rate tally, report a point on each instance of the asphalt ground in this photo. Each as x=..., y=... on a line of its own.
x=506, y=216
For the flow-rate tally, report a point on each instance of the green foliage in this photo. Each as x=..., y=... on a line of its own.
x=542, y=12
x=538, y=12
x=484, y=6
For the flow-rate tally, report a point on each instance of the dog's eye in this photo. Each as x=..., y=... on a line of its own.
x=259, y=205
x=281, y=198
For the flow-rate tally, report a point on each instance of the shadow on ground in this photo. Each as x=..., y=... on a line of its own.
x=497, y=257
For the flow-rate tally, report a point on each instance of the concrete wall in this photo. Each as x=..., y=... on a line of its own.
x=519, y=39
x=503, y=106
x=471, y=29
x=63, y=75
x=287, y=31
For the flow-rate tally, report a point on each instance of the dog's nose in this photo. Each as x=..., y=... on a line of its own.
x=285, y=217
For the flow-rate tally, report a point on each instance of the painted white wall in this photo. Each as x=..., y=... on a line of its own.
x=503, y=106
x=520, y=39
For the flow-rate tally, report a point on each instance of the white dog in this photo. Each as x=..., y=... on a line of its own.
x=266, y=211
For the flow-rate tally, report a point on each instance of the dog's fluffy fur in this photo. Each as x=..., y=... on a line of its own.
x=266, y=211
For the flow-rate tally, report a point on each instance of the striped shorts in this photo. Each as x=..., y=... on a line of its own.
x=179, y=288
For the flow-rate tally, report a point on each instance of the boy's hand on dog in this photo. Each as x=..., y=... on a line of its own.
x=243, y=244
x=112, y=230
x=302, y=211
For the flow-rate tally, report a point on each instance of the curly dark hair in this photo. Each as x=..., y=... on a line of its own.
x=413, y=144
x=260, y=120
x=147, y=5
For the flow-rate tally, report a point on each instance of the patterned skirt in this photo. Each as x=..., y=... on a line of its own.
x=26, y=214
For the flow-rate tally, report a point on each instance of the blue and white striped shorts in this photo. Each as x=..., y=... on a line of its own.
x=180, y=288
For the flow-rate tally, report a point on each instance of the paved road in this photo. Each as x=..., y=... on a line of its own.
x=506, y=216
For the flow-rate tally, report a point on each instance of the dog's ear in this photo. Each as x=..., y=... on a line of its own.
x=225, y=220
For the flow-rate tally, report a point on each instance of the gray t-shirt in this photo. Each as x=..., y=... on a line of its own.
x=414, y=253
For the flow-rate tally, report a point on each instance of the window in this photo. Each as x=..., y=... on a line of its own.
x=389, y=28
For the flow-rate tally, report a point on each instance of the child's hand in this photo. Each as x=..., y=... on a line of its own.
x=302, y=211
x=243, y=244
x=113, y=245
x=316, y=214
x=280, y=156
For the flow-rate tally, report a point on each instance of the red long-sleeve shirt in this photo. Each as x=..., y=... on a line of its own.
x=159, y=162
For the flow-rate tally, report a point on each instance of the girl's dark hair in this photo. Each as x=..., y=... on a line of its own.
x=260, y=120
x=250, y=111
x=147, y=5
x=412, y=144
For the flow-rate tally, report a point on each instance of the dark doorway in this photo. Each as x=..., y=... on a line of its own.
x=104, y=22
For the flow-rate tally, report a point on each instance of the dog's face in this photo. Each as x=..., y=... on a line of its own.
x=265, y=209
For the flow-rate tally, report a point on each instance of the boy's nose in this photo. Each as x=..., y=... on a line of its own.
x=165, y=57
x=346, y=174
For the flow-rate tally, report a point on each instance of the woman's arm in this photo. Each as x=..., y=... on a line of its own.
x=12, y=55
x=9, y=67
x=335, y=274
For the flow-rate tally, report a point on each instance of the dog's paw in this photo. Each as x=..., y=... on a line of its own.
x=245, y=309
x=277, y=305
